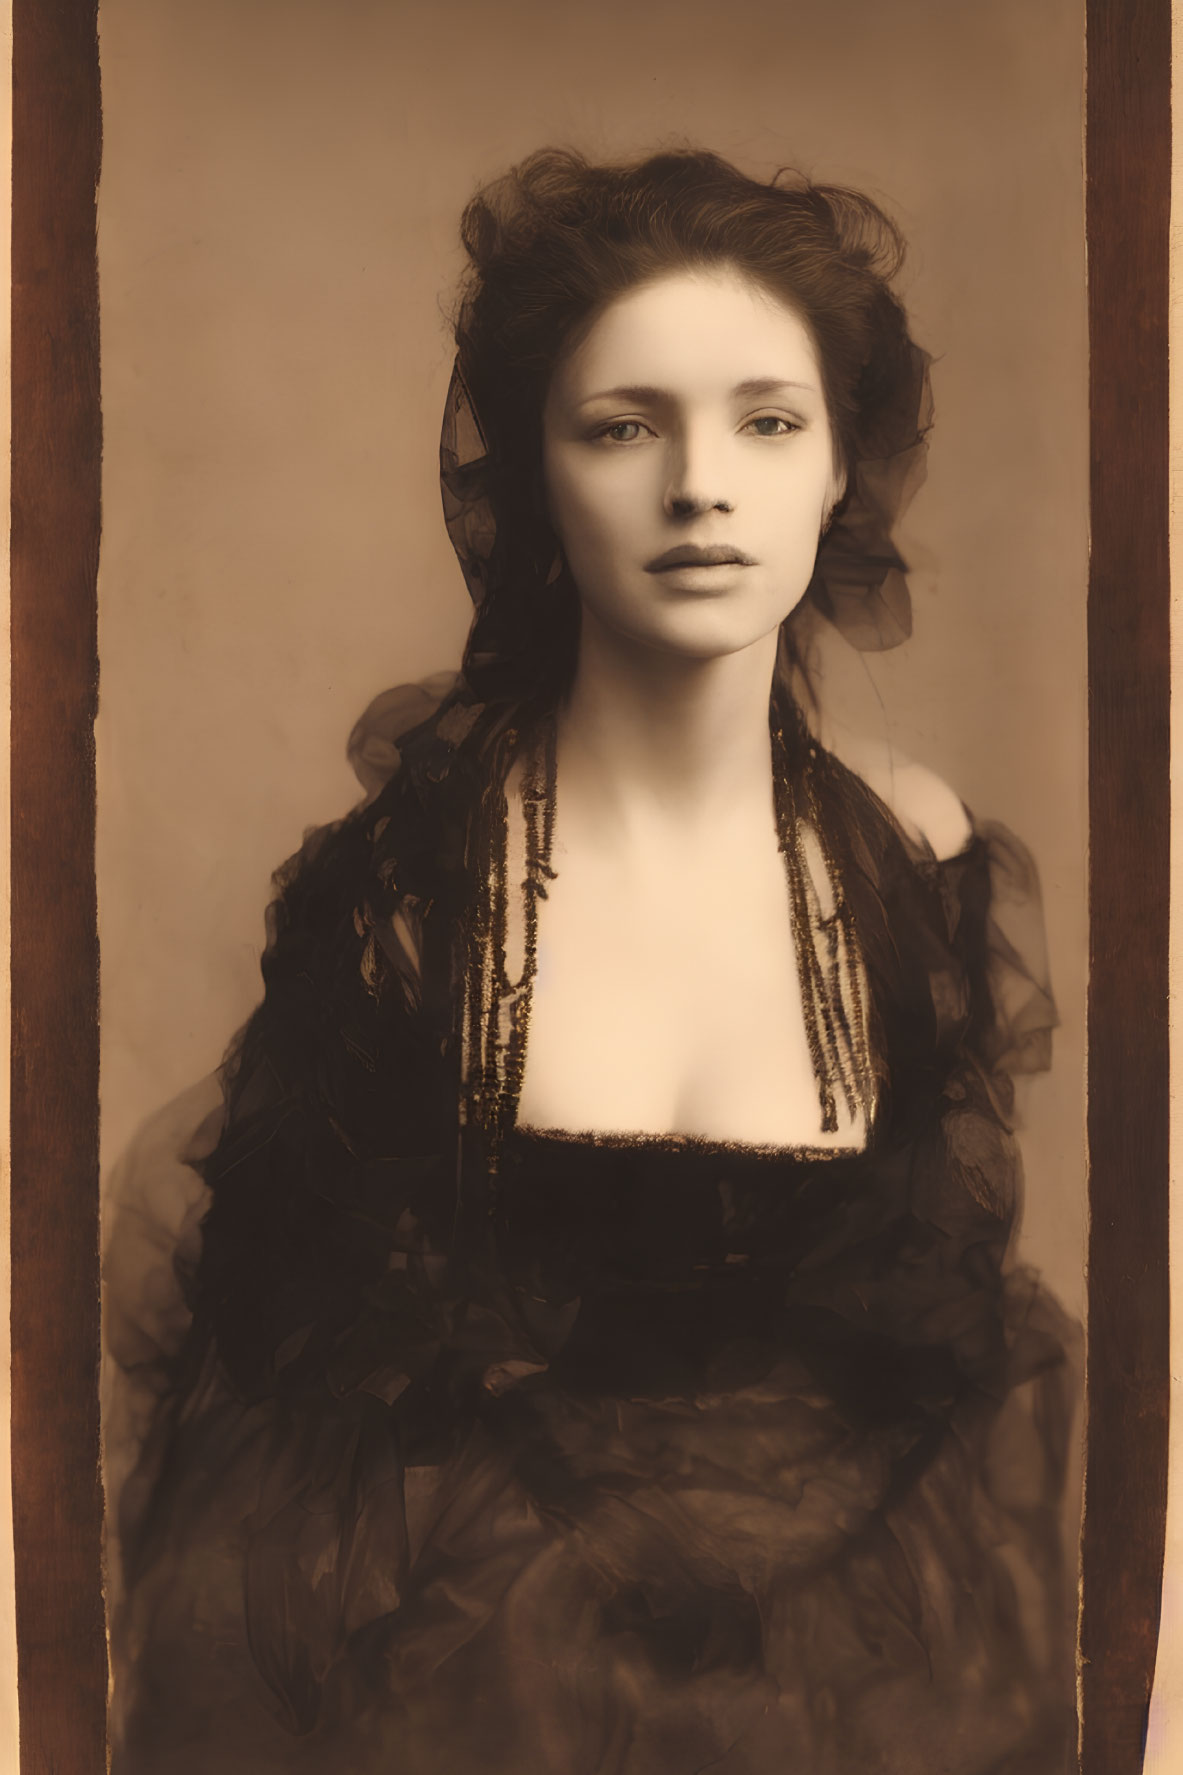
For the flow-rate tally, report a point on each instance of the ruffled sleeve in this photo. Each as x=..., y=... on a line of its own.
x=154, y=1202
x=957, y=965
x=271, y=1290
x=1016, y=1030
x=992, y=1001
x=968, y=1178
x=373, y=747
x=320, y=1328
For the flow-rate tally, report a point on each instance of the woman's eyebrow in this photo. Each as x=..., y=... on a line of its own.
x=644, y=394
x=760, y=385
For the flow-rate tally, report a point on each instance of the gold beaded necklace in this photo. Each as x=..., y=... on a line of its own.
x=496, y=1008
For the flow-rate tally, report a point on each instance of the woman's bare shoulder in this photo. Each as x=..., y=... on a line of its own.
x=927, y=807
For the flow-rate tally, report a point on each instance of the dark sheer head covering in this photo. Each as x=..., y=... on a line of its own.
x=860, y=580
x=556, y=241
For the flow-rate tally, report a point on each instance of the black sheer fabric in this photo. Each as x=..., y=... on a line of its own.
x=634, y=1457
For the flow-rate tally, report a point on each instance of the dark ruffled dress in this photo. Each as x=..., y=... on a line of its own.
x=628, y=1456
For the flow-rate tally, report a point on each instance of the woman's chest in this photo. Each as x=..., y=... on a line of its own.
x=671, y=1001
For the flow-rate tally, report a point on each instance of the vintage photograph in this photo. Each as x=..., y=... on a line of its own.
x=592, y=844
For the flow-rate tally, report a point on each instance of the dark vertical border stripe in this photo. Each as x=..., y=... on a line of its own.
x=54, y=1137
x=1128, y=207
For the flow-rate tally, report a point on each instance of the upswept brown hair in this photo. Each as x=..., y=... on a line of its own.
x=557, y=239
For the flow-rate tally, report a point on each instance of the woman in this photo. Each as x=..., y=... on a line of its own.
x=599, y=1352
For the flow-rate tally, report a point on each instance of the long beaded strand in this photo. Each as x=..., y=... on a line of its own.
x=496, y=1030
x=538, y=806
x=828, y=961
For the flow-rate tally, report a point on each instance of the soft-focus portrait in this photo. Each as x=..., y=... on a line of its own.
x=608, y=1304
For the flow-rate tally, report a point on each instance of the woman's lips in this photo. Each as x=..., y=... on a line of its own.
x=690, y=555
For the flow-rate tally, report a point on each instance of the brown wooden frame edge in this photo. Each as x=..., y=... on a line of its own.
x=1128, y=217
x=56, y=452
x=54, y=1135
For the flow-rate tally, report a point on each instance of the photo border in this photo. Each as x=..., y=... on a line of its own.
x=56, y=516
x=53, y=1141
x=1127, y=228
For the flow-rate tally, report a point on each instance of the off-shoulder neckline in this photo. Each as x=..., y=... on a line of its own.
x=924, y=853
x=918, y=849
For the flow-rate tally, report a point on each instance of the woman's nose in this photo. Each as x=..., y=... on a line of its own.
x=688, y=505
x=696, y=483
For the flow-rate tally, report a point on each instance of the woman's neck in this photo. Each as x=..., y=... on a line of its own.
x=648, y=739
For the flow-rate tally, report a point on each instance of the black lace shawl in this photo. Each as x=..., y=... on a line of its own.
x=352, y=1301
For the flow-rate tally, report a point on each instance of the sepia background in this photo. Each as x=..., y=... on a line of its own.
x=281, y=185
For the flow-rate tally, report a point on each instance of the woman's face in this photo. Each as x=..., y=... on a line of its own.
x=690, y=463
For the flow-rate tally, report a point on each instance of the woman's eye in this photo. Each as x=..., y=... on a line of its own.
x=772, y=425
x=622, y=431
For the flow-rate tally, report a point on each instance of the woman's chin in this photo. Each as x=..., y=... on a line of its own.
x=701, y=632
